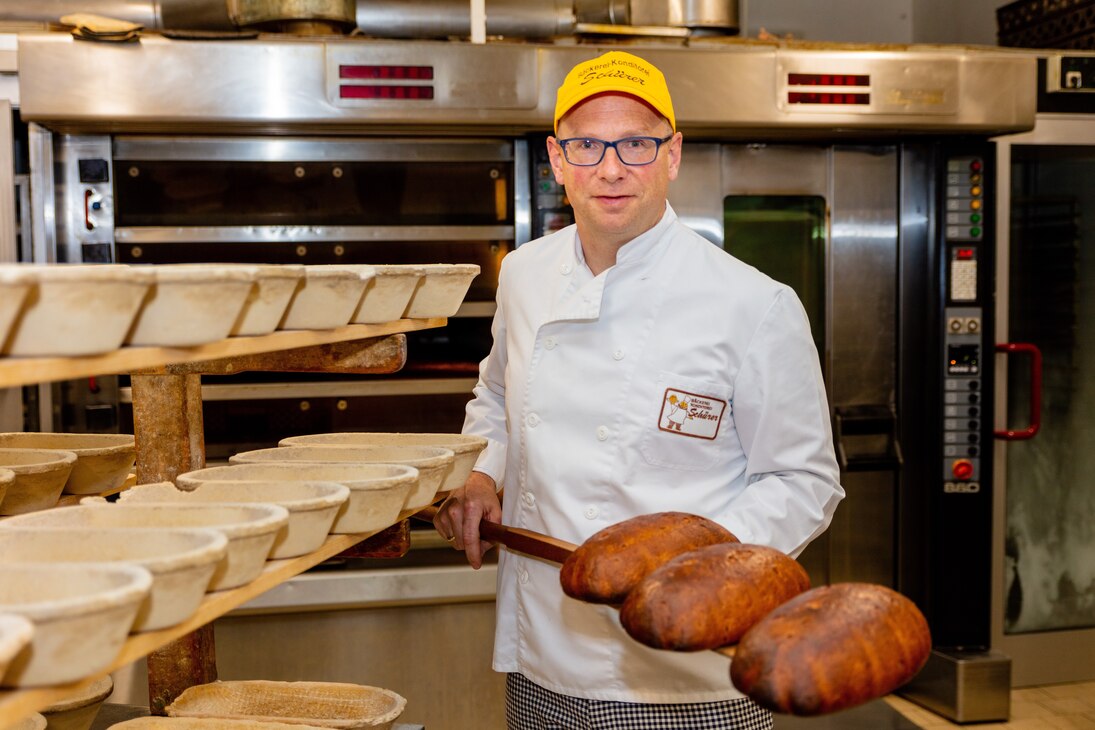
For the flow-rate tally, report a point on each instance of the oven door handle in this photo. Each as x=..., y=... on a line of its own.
x=872, y=423
x=1010, y=348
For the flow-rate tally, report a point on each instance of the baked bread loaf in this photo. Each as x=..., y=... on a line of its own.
x=611, y=562
x=832, y=648
x=709, y=597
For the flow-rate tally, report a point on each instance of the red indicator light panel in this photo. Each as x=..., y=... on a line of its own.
x=965, y=254
x=799, y=79
x=385, y=92
x=394, y=73
x=816, y=97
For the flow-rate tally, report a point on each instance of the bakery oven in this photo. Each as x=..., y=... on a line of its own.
x=307, y=200
x=863, y=179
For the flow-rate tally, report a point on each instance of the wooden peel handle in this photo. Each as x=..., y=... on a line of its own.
x=515, y=538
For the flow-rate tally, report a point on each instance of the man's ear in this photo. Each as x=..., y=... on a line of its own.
x=555, y=155
x=675, y=147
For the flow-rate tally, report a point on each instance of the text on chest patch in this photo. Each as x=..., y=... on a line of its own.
x=691, y=414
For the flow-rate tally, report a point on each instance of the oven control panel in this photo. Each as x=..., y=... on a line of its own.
x=963, y=336
x=85, y=220
x=962, y=405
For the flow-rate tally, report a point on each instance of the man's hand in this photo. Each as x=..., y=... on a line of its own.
x=458, y=517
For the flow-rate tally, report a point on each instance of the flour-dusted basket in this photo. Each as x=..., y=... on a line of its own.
x=268, y=300
x=326, y=297
x=388, y=294
x=40, y=476
x=431, y=462
x=322, y=704
x=442, y=290
x=15, y=633
x=377, y=491
x=465, y=448
x=77, y=309
x=15, y=284
x=82, y=613
x=312, y=506
x=78, y=711
x=192, y=304
x=103, y=460
x=250, y=528
x=181, y=561
x=204, y=723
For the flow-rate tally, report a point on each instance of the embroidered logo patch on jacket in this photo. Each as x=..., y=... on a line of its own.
x=691, y=414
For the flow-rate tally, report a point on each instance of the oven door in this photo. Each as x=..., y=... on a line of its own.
x=145, y=199
x=823, y=220
x=1044, y=545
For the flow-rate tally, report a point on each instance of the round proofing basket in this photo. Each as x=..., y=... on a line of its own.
x=465, y=448
x=81, y=612
x=181, y=561
x=103, y=460
x=431, y=462
x=78, y=711
x=377, y=491
x=312, y=506
x=250, y=528
x=40, y=476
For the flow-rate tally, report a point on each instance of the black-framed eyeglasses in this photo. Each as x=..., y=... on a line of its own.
x=587, y=151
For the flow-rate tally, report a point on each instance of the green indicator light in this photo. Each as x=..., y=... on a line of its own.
x=975, y=218
x=975, y=231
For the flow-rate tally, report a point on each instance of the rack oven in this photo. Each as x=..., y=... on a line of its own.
x=133, y=199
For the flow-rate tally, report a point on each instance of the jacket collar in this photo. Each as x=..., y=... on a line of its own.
x=580, y=292
x=646, y=247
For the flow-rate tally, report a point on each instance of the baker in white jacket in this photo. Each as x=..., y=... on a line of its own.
x=603, y=332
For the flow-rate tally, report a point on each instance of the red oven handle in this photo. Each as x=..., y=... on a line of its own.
x=1035, y=390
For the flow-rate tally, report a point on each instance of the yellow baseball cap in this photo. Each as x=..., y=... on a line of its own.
x=615, y=71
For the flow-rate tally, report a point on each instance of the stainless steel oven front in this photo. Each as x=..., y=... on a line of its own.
x=159, y=199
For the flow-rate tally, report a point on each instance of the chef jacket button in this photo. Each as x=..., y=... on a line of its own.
x=602, y=433
x=533, y=420
x=549, y=343
x=528, y=498
x=618, y=355
x=524, y=576
x=564, y=269
x=592, y=512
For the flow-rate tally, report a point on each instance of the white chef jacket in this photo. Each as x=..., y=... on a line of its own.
x=574, y=400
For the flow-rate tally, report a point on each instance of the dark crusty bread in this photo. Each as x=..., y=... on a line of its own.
x=611, y=562
x=709, y=597
x=832, y=648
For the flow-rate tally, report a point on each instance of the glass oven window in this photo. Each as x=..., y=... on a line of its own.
x=1050, y=542
x=783, y=236
x=373, y=193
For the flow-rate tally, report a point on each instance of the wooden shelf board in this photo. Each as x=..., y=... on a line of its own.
x=28, y=370
x=17, y=703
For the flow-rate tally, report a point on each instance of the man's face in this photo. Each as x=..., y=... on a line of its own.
x=614, y=202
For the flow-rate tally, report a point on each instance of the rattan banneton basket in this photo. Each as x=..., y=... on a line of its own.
x=321, y=704
x=205, y=723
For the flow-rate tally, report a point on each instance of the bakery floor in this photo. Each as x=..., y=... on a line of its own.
x=1052, y=707
x=1055, y=707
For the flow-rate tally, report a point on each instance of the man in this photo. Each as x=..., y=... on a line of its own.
x=602, y=330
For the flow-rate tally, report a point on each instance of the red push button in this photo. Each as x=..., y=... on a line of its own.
x=962, y=469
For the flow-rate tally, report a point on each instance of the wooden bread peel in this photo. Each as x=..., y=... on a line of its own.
x=531, y=543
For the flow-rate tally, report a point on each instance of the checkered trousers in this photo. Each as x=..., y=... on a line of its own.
x=531, y=707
